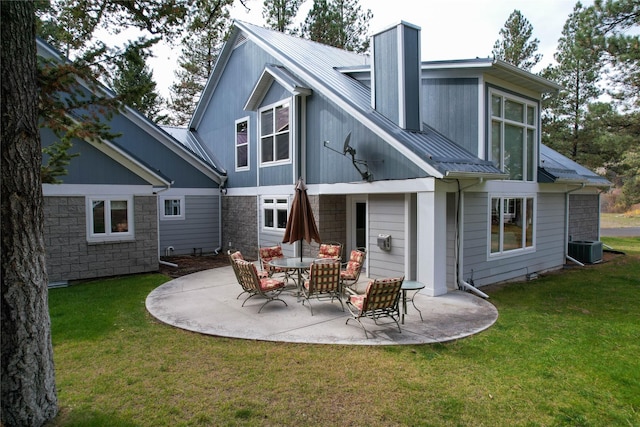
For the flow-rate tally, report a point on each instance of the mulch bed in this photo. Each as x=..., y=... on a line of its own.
x=188, y=264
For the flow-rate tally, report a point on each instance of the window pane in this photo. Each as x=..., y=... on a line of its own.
x=513, y=141
x=495, y=225
x=282, y=146
x=267, y=149
x=512, y=233
x=266, y=122
x=242, y=156
x=495, y=144
x=282, y=118
x=98, y=217
x=282, y=218
x=241, y=133
x=119, y=222
x=514, y=111
x=529, y=226
x=268, y=218
x=531, y=157
x=531, y=116
x=496, y=106
x=172, y=207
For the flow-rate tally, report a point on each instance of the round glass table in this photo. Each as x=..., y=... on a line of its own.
x=294, y=263
x=408, y=286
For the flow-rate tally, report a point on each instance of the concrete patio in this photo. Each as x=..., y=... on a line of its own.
x=205, y=302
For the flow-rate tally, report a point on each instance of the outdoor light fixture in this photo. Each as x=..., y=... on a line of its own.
x=357, y=163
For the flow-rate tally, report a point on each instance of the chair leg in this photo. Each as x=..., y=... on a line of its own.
x=270, y=300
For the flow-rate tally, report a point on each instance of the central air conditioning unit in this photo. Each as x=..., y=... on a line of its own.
x=586, y=251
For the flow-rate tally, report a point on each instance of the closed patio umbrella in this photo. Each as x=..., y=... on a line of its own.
x=301, y=225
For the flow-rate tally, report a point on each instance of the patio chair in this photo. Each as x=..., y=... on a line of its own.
x=323, y=283
x=237, y=255
x=268, y=288
x=381, y=299
x=350, y=275
x=268, y=254
x=331, y=250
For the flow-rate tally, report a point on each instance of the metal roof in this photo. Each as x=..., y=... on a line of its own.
x=554, y=167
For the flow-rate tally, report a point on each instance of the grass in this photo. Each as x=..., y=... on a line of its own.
x=615, y=220
x=564, y=352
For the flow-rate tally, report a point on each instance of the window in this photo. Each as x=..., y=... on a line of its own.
x=512, y=224
x=242, y=144
x=274, y=213
x=274, y=134
x=171, y=208
x=514, y=133
x=109, y=218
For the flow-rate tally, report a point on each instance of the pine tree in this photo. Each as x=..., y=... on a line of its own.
x=133, y=82
x=515, y=44
x=279, y=14
x=339, y=23
x=201, y=46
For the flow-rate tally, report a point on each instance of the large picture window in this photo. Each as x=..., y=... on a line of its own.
x=512, y=224
x=242, y=144
x=274, y=134
x=274, y=213
x=514, y=133
x=109, y=218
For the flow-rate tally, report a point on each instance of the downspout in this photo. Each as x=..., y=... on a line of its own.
x=462, y=284
x=170, y=264
x=223, y=190
x=566, y=226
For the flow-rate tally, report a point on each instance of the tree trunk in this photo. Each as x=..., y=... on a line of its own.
x=28, y=378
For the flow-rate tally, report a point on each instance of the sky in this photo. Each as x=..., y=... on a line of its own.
x=450, y=29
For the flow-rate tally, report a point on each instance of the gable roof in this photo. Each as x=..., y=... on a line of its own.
x=321, y=67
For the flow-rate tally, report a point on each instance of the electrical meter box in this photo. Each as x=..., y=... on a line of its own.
x=384, y=242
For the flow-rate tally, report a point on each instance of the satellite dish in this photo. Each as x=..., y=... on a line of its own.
x=346, y=148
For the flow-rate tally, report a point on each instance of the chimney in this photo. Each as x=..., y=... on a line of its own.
x=395, y=79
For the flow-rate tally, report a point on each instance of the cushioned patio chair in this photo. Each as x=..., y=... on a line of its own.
x=237, y=255
x=268, y=254
x=323, y=283
x=381, y=300
x=331, y=250
x=268, y=288
x=350, y=275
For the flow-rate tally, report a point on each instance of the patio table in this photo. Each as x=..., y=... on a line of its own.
x=293, y=264
x=410, y=285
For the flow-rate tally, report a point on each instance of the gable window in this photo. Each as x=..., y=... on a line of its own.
x=274, y=134
x=512, y=225
x=109, y=218
x=274, y=213
x=514, y=132
x=242, y=144
x=172, y=208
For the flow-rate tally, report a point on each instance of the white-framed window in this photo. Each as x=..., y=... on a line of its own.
x=242, y=144
x=514, y=135
x=109, y=218
x=275, y=143
x=172, y=208
x=275, y=211
x=512, y=224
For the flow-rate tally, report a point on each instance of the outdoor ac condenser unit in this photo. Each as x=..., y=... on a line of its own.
x=586, y=251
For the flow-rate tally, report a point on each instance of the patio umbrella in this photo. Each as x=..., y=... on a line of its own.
x=301, y=225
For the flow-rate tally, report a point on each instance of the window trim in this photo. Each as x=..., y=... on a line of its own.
x=502, y=253
x=526, y=102
x=247, y=144
x=279, y=201
x=109, y=236
x=164, y=216
x=273, y=107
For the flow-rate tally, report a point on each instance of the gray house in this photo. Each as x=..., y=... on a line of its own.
x=435, y=167
x=127, y=201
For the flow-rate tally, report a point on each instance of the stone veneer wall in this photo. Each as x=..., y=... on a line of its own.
x=69, y=255
x=239, y=224
x=330, y=213
x=584, y=216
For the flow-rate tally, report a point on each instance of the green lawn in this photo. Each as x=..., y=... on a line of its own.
x=564, y=352
x=613, y=220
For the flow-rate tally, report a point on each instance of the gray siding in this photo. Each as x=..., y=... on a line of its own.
x=549, y=253
x=412, y=78
x=584, y=216
x=70, y=257
x=199, y=230
x=386, y=73
x=386, y=216
x=450, y=106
